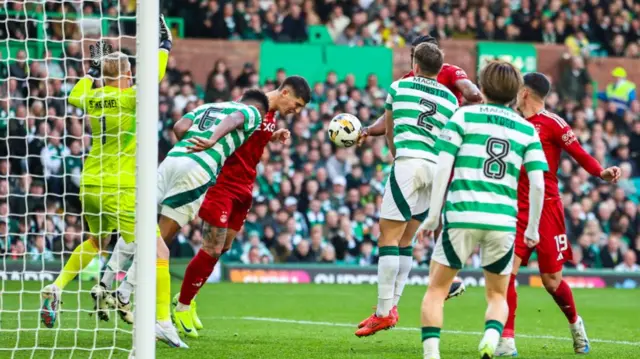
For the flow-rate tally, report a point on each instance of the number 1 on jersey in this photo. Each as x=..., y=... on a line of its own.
x=103, y=126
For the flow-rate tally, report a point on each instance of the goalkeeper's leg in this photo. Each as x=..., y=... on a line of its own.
x=80, y=258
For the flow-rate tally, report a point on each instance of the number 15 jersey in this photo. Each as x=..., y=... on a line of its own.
x=490, y=143
x=420, y=107
x=205, y=119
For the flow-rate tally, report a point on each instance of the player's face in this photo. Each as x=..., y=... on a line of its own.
x=290, y=104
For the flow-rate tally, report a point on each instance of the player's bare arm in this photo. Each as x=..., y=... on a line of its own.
x=388, y=121
x=378, y=128
x=181, y=127
x=469, y=90
x=230, y=123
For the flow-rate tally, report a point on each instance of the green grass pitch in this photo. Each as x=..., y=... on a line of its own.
x=318, y=321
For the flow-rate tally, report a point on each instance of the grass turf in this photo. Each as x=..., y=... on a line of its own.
x=318, y=321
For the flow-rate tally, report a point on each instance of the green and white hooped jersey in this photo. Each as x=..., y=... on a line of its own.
x=490, y=144
x=205, y=119
x=420, y=107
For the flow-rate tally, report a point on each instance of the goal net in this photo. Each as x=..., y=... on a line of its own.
x=44, y=142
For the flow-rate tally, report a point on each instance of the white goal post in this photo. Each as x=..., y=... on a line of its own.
x=43, y=50
x=147, y=42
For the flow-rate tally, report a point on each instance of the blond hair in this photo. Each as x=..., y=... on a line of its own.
x=500, y=81
x=115, y=65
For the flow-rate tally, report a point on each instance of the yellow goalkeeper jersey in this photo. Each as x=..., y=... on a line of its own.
x=111, y=162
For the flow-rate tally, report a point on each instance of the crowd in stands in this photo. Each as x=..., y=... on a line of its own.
x=314, y=202
x=598, y=27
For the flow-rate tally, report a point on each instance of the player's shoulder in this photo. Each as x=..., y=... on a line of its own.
x=548, y=119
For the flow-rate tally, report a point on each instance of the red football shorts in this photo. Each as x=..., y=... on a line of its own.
x=554, y=248
x=225, y=208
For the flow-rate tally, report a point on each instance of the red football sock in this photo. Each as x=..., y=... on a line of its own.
x=564, y=298
x=197, y=273
x=512, y=300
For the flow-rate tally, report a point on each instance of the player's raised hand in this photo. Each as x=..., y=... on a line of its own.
x=166, y=38
x=199, y=144
x=97, y=53
x=362, y=136
x=611, y=174
x=281, y=135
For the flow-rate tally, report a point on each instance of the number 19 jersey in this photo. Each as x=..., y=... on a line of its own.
x=490, y=143
x=420, y=107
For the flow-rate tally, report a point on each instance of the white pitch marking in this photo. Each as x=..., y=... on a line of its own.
x=457, y=332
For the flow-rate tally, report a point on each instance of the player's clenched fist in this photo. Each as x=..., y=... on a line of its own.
x=611, y=174
x=282, y=135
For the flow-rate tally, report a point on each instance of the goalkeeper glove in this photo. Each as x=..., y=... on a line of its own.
x=165, y=35
x=98, y=52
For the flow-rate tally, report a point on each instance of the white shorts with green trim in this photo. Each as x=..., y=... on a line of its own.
x=456, y=245
x=408, y=190
x=182, y=184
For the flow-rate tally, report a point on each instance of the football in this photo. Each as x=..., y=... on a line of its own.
x=344, y=130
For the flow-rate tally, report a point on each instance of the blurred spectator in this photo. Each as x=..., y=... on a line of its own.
x=628, y=263
x=611, y=253
x=574, y=81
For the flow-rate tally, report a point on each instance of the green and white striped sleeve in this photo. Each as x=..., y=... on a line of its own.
x=452, y=134
x=534, y=158
x=252, y=118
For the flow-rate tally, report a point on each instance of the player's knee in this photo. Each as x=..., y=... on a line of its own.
x=551, y=281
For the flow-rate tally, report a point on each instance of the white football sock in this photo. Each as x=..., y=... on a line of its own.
x=406, y=262
x=388, y=267
x=121, y=255
x=491, y=337
x=128, y=284
x=431, y=348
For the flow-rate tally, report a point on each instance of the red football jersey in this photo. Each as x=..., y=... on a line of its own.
x=555, y=135
x=239, y=170
x=448, y=76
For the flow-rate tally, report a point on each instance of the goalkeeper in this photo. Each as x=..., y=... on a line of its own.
x=108, y=182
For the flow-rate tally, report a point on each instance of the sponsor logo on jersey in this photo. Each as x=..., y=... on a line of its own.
x=569, y=137
x=268, y=127
x=537, y=127
x=224, y=217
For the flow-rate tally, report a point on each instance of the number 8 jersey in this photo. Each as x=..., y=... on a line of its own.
x=421, y=107
x=490, y=143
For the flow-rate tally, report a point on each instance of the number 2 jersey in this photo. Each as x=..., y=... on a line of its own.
x=555, y=135
x=420, y=107
x=490, y=144
x=205, y=119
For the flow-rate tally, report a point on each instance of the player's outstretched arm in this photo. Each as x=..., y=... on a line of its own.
x=232, y=122
x=166, y=42
x=469, y=90
x=378, y=128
